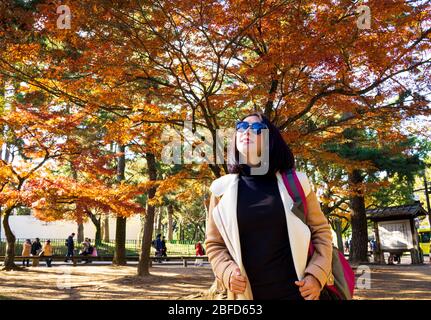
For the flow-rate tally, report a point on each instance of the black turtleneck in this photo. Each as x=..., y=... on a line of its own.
x=264, y=238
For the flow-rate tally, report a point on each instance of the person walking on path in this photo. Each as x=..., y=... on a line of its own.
x=256, y=245
x=70, y=244
x=26, y=252
x=47, y=253
x=36, y=248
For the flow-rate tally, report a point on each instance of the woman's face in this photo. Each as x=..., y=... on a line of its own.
x=248, y=143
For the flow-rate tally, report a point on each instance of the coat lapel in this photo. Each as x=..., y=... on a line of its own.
x=224, y=215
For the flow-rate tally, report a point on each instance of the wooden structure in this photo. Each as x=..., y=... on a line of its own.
x=396, y=231
x=76, y=260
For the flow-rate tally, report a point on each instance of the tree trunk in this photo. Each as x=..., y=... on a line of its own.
x=159, y=219
x=358, y=252
x=339, y=234
x=181, y=232
x=80, y=235
x=170, y=222
x=141, y=230
x=120, y=231
x=270, y=103
x=144, y=257
x=9, y=262
x=97, y=223
x=105, y=228
x=120, y=242
x=155, y=223
x=195, y=231
x=6, y=153
x=202, y=230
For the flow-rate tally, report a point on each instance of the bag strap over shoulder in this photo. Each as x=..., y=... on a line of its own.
x=296, y=192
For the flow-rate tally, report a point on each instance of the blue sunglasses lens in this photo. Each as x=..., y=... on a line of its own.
x=256, y=127
x=241, y=126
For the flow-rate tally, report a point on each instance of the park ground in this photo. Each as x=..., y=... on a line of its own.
x=172, y=282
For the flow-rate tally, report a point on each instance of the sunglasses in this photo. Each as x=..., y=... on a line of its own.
x=256, y=127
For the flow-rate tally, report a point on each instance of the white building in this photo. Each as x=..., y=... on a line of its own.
x=24, y=227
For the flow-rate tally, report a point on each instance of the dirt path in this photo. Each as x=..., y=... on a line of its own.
x=103, y=282
x=399, y=282
x=176, y=282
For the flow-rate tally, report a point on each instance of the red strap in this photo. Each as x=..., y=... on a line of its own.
x=303, y=199
x=286, y=184
x=301, y=192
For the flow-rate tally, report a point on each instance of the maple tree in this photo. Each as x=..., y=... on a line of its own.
x=152, y=64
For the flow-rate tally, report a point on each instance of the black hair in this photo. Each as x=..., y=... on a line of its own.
x=281, y=158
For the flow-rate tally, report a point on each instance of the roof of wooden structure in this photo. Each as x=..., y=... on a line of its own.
x=392, y=213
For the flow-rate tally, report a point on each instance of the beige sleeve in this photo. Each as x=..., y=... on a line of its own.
x=321, y=262
x=218, y=255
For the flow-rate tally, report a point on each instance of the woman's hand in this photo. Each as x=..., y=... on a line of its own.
x=237, y=282
x=309, y=287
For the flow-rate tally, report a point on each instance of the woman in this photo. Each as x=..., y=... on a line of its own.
x=47, y=253
x=26, y=250
x=85, y=251
x=256, y=246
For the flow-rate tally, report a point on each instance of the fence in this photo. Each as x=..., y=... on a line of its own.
x=133, y=247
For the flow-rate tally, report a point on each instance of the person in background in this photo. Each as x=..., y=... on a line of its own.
x=90, y=250
x=47, y=253
x=157, y=244
x=199, y=253
x=36, y=248
x=164, y=248
x=85, y=251
x=70, y=247
x=26, y=251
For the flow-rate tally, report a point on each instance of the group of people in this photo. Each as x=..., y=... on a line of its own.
x=87, y=248
x=159, y=244
x=35, y=248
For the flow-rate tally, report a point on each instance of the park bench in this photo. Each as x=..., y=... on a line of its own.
x=78, y=258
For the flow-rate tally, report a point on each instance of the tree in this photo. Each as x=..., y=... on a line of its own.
x=32, y=142
x=396, y=158
x=305, y=64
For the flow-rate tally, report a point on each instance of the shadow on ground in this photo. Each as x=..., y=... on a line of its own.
x=108, y=282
